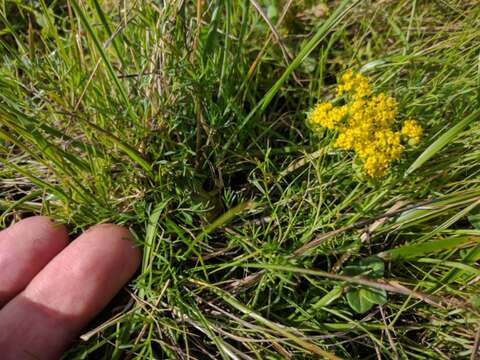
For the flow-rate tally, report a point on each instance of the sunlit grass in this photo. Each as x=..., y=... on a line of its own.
x=185, y=121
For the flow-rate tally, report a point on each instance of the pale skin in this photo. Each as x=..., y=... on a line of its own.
x=51, y=289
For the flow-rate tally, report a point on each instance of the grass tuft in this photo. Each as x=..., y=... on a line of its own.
x=185, y=121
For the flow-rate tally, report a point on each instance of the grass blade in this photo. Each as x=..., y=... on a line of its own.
x=441, y=142
x=107, y=62
x=415, y=250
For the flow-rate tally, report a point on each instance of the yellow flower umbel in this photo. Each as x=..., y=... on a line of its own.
x=365, y=124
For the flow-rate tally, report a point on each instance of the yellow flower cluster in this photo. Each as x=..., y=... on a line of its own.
x=365, y=124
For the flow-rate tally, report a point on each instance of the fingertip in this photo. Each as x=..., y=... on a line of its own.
x=121, y=239
x=46, y=224
x=111, y=229
x=46, y=234
x=85, y=276
x=25, y=248
x=68, y=292
x=39, y=224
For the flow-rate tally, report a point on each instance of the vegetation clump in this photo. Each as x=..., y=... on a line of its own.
x=185, y=122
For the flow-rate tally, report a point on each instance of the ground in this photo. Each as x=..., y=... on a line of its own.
x=186, y=122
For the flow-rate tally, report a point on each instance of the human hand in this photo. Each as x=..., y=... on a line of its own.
x=49, y=291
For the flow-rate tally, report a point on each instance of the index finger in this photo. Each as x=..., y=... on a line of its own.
x=67, y=293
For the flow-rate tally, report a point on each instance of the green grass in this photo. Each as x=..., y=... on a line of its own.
x=185, y=121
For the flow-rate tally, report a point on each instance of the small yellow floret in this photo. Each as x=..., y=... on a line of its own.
x=412, y=130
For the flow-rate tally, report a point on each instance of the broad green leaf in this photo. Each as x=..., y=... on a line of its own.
x=361, y=299
x=372, y=267
x=375, y=296
x=358, y=301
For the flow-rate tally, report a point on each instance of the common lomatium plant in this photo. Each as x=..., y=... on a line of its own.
x=366, y=123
